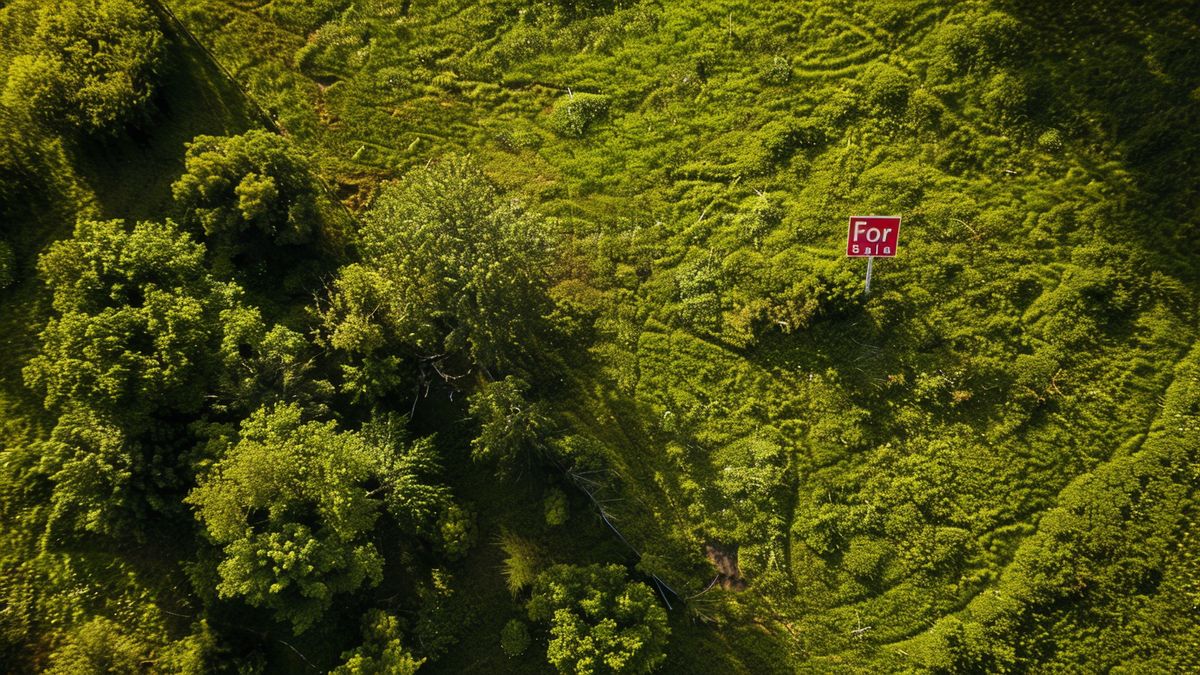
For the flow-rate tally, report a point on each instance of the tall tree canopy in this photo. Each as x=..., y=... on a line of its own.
x=381, y=652
x=136, y=320
x=89, y=65
x=132, y=341
x=293, y=505
x=600, y=622
x=449, y=267
x=256, y=181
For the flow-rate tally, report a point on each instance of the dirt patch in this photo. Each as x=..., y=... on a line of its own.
x=725, y=559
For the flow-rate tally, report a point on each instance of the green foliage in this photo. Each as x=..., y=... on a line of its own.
x=99, y=646
x=102, y=478
x=137, y=315
x=575, y=114
x=750, y=477
x=382, y=652
x=233, y=186
x=336, y=48
x=1007, y=96
x=514, y=638
x=457, y=528
x=442, y=614
x=135, y=332
x=291, y=506
x=555, y=507
x=979, y=40
x=599, y=621
x=449, y=268
x=512, y=428
x=523, y=560
x=265, y=366
x=87, y=65
x=305, y=15
x=886, y=87
x=778, y=72
x=971, y=469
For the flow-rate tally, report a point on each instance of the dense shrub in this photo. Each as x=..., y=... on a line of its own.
x=381, y=651
x=89, y=65
x=451, y=269
x=886, y=87
x=555, y=507
x=512, y=428
x=257, y=182
x=136, y=325
x=514, y=637
x=288, y=506
x=599, y=621
x=1007, y=97
x=574, y=114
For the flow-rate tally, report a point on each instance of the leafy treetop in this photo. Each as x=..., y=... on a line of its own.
x=294, y=504
x=89, y=65
x=600, y=622
x=252, y=182
x=449, y=268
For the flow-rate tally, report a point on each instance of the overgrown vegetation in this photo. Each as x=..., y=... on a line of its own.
x=361, y=336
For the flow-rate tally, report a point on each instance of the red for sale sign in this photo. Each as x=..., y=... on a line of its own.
x=873, y=236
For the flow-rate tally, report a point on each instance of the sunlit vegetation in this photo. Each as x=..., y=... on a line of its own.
x=387, y=337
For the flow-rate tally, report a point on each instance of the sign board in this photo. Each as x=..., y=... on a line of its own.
x=873, y=236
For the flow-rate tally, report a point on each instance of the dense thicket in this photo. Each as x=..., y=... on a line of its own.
x=132, y=344
x=83, y=65
x=290, y=505
x=599, y=621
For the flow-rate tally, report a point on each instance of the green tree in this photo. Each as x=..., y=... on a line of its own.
x=293, y=504
x=381, y=652
x=131, y=347
x=510, y=425
x=264, y=364
x=600, y=622
x=101, y=476
x=449, y=268
x=136, y=320
x=100, y=646
x=89, y=65
x=522, y=561
x=256, y=182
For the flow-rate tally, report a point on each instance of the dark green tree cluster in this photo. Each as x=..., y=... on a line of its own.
x=293, y=508
x=86, y=65
x=133, y=342
x=381, y=652
x=511, y=426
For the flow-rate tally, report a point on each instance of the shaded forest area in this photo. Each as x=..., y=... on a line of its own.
x=362, y=336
